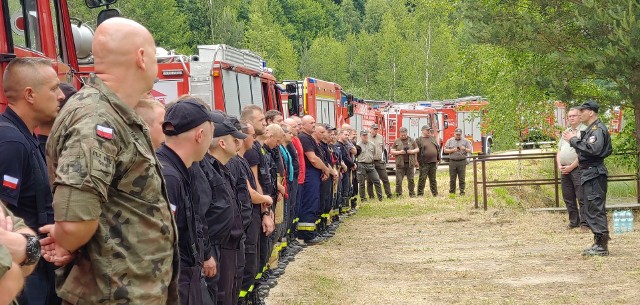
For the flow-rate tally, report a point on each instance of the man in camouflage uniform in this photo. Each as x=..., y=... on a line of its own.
x=110, y=201
x=19, y=253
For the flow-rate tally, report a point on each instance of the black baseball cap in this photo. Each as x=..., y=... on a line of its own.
x=591, y=105
x=226, y=128
x=186, y=115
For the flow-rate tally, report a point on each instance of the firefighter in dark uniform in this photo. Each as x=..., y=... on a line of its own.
x=189, y=130
x=321, y=134
x=224, y=146
x=593, y=146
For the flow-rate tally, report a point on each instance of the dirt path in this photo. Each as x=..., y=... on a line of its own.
x=420, y=251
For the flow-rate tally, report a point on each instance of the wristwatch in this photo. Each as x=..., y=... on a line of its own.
x=266, y=213
x=32, y=250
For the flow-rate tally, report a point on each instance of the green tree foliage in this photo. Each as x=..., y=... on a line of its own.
x=265, y=37
x=589, y=48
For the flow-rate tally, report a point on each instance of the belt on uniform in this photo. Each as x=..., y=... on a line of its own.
x=365, y=162
x=589, y=165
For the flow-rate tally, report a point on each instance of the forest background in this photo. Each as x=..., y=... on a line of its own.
x=519, y=54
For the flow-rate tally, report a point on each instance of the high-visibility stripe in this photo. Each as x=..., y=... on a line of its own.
x=318, y=221
x=258, y=276
x=250, y=288
x=243, y=293
x=306, y=226
x=326, y=215
x=284, y=245
x=296, y=220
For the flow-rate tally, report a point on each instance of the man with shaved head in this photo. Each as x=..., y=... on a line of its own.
x=33, y=91
x=110, y=200
x=316, y=172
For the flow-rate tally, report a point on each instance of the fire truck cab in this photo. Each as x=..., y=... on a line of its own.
x=323, y=100
x=43, y=28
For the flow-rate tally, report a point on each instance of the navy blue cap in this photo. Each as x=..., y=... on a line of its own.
x=186, y=115
x=591, y=105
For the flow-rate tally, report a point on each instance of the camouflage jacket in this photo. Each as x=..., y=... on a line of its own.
x=106, y=170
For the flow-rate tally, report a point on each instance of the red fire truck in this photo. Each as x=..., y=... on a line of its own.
x=43, y=28
x=617, y=120
x=412, y=117
x=228, y=77
x=323, y=100
x=467, y=114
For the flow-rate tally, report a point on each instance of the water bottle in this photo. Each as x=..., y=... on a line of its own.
x=629, y=221
x=617, y=226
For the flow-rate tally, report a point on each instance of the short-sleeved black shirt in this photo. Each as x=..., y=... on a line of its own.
x=310, y=144
x=257, y=156
x=326, y=153
x=19, y=148
x=179, y=191
x=294, y=160
x=240, y=171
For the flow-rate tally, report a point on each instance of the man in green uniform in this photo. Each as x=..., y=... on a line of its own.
x=110, y=201
x=428, y=160
x=366, y=168
x=405, y=149
x=593, y=146
x=457, y=148
x=19, y=253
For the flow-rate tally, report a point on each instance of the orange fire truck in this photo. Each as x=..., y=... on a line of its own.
x=323, y=100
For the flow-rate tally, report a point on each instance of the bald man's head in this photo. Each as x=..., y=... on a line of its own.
x=308, y=124
x=123, y=47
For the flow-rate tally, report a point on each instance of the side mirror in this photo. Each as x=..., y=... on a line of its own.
x=294, y=105
x=108, y=13
x=99, y=3
x=292, y=88
x=446, y=124
x=350, y=110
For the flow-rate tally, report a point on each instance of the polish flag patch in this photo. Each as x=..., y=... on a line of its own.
x=104, y=132
x=10, y=182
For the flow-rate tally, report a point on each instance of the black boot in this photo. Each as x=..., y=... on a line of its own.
x=600, y=246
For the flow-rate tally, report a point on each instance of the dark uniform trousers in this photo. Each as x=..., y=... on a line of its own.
x=251, y=250
x=345, y=191
x=325, y=201
x=310, y=204
x=594, y=187
x=292, y=199
x=428, y=170
x=572, y=189
x=367, y=171
x=457, y=169
x=405, y=171
x=381, y=169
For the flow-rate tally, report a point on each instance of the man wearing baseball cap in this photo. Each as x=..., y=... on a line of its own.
x=188, y=128
x=224, y=146
x=593, y=146
x=457, y=147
